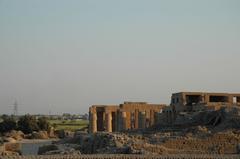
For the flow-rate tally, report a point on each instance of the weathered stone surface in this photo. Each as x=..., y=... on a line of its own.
x=46, y=148
x=39, y=135
x=9, y=139
x=9, y=154
x=64, y=133
x=12, y=147
x=51, y=133
x=126, y=116
x=59, y=149
x=17, y=135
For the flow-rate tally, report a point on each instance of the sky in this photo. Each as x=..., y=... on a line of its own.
x=63, y=56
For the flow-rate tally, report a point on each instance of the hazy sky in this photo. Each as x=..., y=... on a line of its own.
x=64, y=56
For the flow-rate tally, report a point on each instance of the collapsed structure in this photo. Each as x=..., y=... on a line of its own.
x=141, y=115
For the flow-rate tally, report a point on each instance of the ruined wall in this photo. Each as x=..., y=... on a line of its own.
x=198, y=101
x=101, y=118
x=135, y=115
x=126, y=116
x=140, y=114
x=209, y=99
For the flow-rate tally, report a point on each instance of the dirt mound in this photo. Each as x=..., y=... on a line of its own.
x=9, y=139
x=51, y=133
x=106, y=143
x=17, y=135
x=40, y=135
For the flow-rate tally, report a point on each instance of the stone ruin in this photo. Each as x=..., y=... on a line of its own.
x=194, y=125
x=141, y=115
x=126, y=116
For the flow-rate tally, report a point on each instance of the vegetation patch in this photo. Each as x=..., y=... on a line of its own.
x=71, y=125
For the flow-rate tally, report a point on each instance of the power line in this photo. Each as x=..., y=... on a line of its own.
x=15, y=108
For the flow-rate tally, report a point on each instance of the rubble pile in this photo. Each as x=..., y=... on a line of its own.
x=225, y=118
x=39, y=135
x=53, y=149
x=106, y=143
x=16, y=135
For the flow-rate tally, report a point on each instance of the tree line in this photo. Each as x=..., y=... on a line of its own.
x=27, y=124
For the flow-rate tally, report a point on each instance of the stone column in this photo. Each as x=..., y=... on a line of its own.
x=184, y=100
x=202, y=98
x=207, y=99
x=124, y=116
x=109, y=122
x=136, y=119
x=142, y=120
x=94, y=122
x=230, y=100
x=152, y=117
x=147, y=119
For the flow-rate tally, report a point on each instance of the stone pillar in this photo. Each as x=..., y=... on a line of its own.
x=202, y=98
x=94, y=122
x=118, y=120
x=147, y=119
x=109, y=122
x=230, y=100
x=124, y=117
x=144, y=117
x=184, y=100
x=128, y=121
x=136, y=119
x=142, y=120
x=207, y=99
x=152, y=121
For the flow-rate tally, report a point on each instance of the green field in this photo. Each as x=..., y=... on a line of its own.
x=71, y=125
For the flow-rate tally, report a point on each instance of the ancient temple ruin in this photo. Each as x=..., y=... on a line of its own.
x=141, y=115
x=126, y=116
